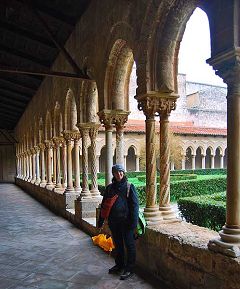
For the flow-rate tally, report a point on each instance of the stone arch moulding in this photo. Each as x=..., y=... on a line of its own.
x=119, y=55
x=57, y=120
x=164, y=51
x=70, y=113
x=48, y=126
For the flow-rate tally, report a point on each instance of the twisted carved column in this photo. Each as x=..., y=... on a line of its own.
x=166, y=103
x=105, y=117
x=43, y=172
x=147, y=104
x=84, y=133
x=227, y=65
x=119, y=119
x=93, y=135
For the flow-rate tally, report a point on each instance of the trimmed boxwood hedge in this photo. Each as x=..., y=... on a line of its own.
x=207, y=211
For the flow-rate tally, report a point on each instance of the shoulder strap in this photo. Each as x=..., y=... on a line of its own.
x=128, y=188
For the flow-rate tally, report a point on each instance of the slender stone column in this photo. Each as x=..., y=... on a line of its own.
x=106, y=118
x=221, y=162
x=120, y=117
x=33, y=151
x=212, y=165
x=228, y=67
x=137, y=163
x=164, y=201
x=203, y=161
x=54, y=164
x=57, y=142
x=49, y=146
x=183, y=162
x=25, y=166
x=68, y=138
x=64, y=163
x=77, y=165
x=193, y=162
x=97, y=163
x=29, y=166
x=148, y=103
x=84, y=129
x=93, y=136
x=38, y=180
x=43, y=172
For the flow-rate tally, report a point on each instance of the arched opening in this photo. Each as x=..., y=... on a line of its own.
x=208, y=158
x=188, y=159
x=102, y=159
x=217, y=159
x=198, y=158
x=131, y=160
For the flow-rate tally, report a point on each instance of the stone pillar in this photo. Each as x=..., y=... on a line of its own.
x=227, y=65
x=147, y=104
x=57, y=142
x=43, y=172
x=70, y=194
x=137, y=163
x=212, y=165
x=120, y=117
x=54, y=165
x=183, y=162
x=193, y=162
x=77, y=165
x=97, y=163
x=93, y=136
x=29, y=154
x=84, y=129
x=106, y=118
x=38, y=180
x=49, y=146
x=166, y=103
x=64, y=163
x=25, y=166
x=221, y=162
x=172, y=166
x=33, y=151
x=203, y=161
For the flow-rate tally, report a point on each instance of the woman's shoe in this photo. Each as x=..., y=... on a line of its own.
x=125, y=275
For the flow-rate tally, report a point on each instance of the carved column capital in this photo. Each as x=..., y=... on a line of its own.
x=42, y=146
x=57, y=141
x=155, y=103
x=84, y=129
x=110, y=117
x=71, y=134
x=93, y=130
x=49, y=144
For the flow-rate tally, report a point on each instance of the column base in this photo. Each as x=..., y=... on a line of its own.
x=86, y=208
x=95, y=193
x=43, y=184
x=70, y=198
x=168, y=213
x=33, y=181
x=37, y=182
x=228, y=243
x=59, y=190
x=49, y=186
x=85, y=194
x=152, y=216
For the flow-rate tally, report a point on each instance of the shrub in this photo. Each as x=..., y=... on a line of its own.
x=207, y=211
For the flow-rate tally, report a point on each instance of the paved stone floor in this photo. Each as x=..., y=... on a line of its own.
x=41, y=250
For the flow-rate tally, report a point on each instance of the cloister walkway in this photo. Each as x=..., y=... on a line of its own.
x=41, y=250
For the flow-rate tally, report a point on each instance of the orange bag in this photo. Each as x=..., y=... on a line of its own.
x=107, y=205
x=102, y=241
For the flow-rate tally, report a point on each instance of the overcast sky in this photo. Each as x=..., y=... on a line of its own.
x=195, y=49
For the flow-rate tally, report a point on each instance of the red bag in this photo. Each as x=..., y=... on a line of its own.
x=107, y=205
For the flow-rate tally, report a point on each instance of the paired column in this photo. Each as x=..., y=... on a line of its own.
x=43, y=172
x=84, y=130
x=49, y=146
x=147, y=103
x=77, y=164
x=203, y=161
x=94, y=168
x=68, y=137
x=167, y=102
x=38, y=180
x=57, y=142
x=193, y=162
x=33, y=151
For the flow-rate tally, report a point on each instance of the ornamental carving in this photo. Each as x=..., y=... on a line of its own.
x=49, y=144
x=110, y=117
x=71, y=134
x=58, y=141
x=154, y=104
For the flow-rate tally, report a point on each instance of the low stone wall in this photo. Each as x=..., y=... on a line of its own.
x=174, y=252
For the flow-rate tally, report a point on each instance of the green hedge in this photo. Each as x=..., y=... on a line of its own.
x=207, y=211
x=177, y=177
x=201, y=172
x=202, y=186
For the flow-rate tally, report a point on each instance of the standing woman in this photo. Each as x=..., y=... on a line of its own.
x=122, y=221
